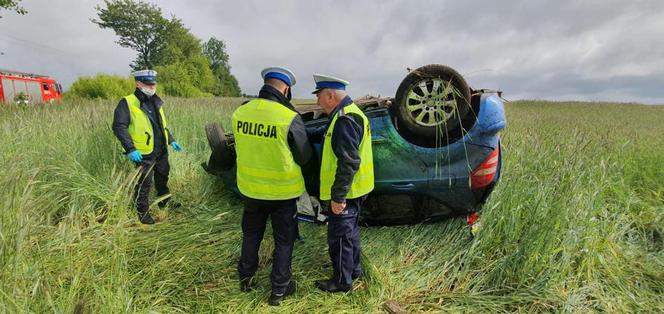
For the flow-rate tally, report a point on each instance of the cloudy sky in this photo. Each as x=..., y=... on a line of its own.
x=609, y=50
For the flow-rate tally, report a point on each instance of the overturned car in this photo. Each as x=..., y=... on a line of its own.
x=436, y=149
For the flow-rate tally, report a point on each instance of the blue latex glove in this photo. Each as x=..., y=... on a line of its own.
x=135, y=156
x=176, y=146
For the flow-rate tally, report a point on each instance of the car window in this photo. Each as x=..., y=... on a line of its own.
x=45, y=86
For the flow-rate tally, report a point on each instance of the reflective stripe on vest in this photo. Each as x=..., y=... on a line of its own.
x=140, y=128
x=266, y=169
x=363, y=181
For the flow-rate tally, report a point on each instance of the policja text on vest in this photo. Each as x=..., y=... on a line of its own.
x=257, y=129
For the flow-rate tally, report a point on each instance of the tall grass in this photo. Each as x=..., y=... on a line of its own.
x=575, y=225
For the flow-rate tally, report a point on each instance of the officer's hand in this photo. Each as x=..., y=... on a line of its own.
x=176, y=146
x=337, y=208
x=135, y=156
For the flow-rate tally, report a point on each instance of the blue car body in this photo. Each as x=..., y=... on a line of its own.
x=415, y=183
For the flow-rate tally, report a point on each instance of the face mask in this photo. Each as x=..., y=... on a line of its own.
x=288, y=94
x=148, y=91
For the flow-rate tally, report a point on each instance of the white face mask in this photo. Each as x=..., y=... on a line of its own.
x=148, y=91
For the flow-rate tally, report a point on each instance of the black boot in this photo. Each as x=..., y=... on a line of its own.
x=331, y=285
x=145, y=218
x=276, y=298
x=247, y=284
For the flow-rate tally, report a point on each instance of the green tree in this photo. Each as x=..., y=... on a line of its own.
x=179, y=44
x=189, y=78
x=12, y=5
x=215, y=50
x=175, y=80
x=139, y=25
x=186, y=67
x=226, y=84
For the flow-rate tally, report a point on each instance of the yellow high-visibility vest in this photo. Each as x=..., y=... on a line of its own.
x=363, y=181
x=266, y=169
x=140, y=128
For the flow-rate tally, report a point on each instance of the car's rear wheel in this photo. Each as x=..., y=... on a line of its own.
x=223, y=155
x=430, y=103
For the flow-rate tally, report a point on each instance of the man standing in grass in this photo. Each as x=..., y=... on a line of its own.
x=346, y=177
x=271, y=145
x=140, y=124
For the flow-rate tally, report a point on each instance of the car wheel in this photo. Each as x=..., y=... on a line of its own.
x=223, y=154
x=431, y=102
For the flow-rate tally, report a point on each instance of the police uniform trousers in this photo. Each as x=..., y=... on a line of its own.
x=284, y=223
x=152, y=166
x=343, y=240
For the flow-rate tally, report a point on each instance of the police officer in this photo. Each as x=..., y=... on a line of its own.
x=346, y=177
x=271, y=146
x=140, y=124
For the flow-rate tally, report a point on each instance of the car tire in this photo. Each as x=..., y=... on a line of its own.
x=430, y=103
x=223, y=154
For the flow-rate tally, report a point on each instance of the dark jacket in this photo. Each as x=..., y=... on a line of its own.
x=122, y=118
x=345, y=142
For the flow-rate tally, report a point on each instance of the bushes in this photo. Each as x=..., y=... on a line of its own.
x=181, y=89
x=174, y=81
x=188, y=78
x=102, y=86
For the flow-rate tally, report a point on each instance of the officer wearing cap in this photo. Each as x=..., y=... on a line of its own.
x=346, y=177
x=140, y=124
x=271, y=146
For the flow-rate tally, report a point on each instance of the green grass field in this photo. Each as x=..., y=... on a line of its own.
x=575, y=225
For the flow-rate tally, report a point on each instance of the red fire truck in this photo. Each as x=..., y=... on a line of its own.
x=19, y=87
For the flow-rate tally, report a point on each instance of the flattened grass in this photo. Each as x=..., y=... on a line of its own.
x=575, y=225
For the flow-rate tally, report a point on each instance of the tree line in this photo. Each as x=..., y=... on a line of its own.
x=186, y=66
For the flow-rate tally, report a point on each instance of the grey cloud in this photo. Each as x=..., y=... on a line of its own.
x=591, y=50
